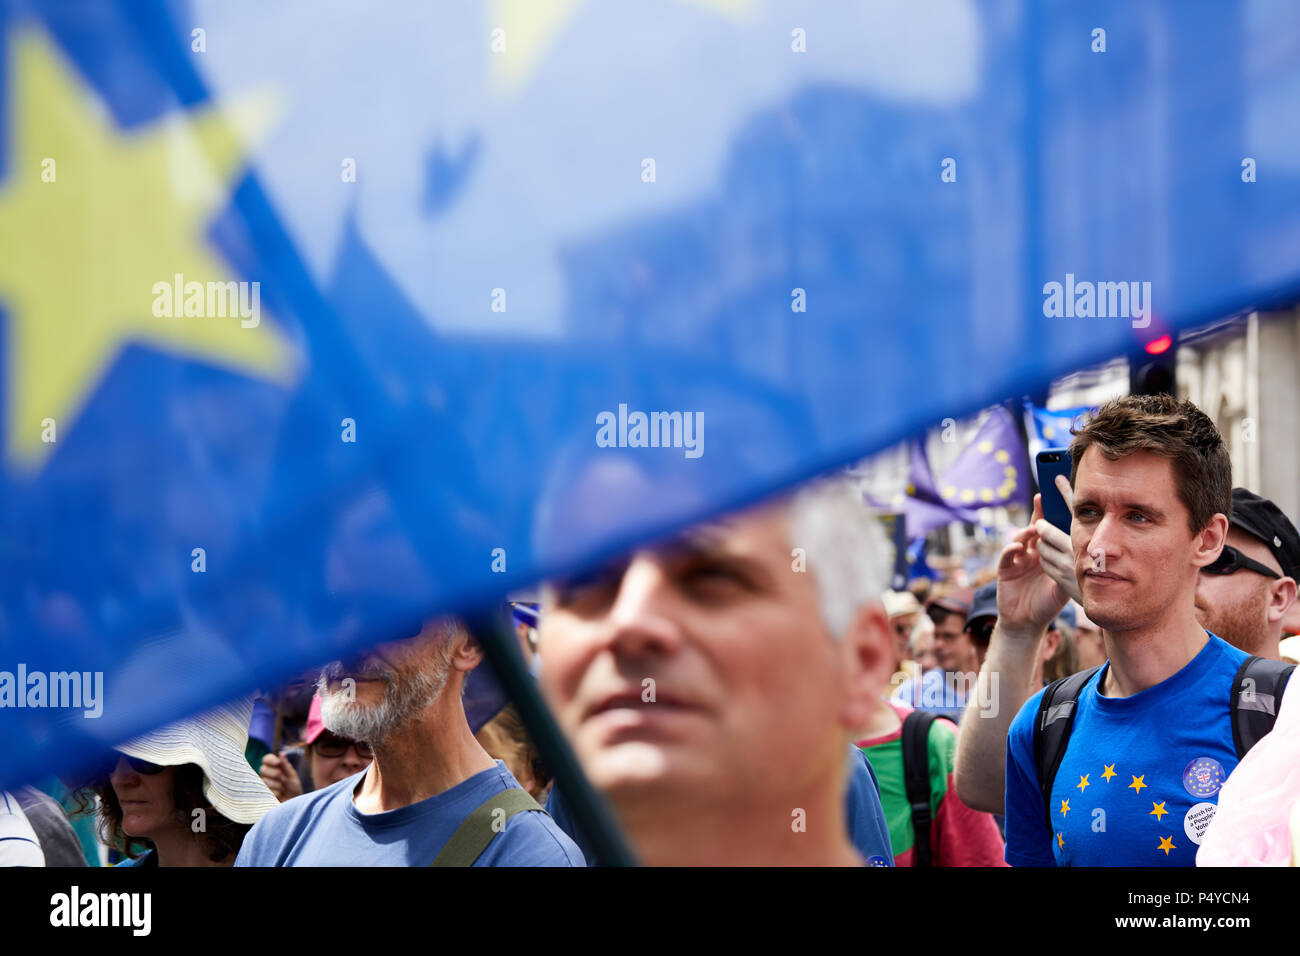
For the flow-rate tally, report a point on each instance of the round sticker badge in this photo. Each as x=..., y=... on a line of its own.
x=879, y=861
x=1203, y=777
x=1197, y=819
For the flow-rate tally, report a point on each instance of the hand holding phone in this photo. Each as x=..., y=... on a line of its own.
x=1050, y=463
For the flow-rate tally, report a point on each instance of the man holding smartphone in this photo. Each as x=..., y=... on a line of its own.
x=1135, y=786
x=1243, y=603
x=1151, y=495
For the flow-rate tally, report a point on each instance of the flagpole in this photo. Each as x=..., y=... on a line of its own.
x=590, y=811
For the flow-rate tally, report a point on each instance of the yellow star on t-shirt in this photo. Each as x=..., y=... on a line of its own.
x=1065, y=807
x=1137, y=783
x=1083, y=783
x=1167, y=844
x=124, y=209
x=1158, y=809
x=1108, y=772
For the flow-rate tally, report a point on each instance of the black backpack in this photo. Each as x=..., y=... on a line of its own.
x=916, y=776
x=1256, y=691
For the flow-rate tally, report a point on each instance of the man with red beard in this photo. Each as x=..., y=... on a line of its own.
x=1152, y=735
x=1244, y=595
x=432, y=793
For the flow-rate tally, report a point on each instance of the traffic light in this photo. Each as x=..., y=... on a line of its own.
x=1151, y=370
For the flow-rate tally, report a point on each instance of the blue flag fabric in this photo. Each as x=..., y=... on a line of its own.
x=318, y=319
x=1051, y=429
x=990, y=470
x=920, y=504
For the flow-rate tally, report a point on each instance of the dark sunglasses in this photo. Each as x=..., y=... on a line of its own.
x=1230, y=561
x=982, y=629
x=142, y=766
x=328, y=745
x=103, y=769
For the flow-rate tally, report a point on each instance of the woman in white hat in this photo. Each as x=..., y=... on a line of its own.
x=184, y=794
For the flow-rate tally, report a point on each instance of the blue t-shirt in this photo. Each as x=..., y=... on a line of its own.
x=324, y=828
x=937, y=694
x=1140, y=778
x=868, y=830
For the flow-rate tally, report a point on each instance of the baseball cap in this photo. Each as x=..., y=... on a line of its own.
x=1081, y=620
x=1262, y=519
x=1067, y=615
x=315, y=725
x=985, y=603
x=958, y=602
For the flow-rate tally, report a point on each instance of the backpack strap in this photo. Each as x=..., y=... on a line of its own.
x=1052, y=730
x=476, y=831
x=1256, y=695
x=916, y=775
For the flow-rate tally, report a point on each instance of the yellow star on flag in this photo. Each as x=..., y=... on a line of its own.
x=1137, y=783
x=1083, y=783
x=118, y=212
x=1065, y=807
x=1060, y=840
x=1158, y=809
x=1167, y=844
x=1108, y=772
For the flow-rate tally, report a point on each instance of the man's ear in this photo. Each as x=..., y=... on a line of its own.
x=1281, y=595
x=467, y=654
x=1209, y=543
x=1050, y=645
x=866, y=651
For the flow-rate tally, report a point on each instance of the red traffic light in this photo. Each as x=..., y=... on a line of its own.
x=1162, y=344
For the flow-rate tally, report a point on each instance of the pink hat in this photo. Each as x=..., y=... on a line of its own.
x=315, y=726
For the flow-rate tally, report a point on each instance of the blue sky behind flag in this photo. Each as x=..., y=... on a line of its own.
x=310, y=312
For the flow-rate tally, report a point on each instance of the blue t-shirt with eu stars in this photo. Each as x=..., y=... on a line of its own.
x=1140, y=779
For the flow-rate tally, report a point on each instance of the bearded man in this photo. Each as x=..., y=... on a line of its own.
x=432, y=795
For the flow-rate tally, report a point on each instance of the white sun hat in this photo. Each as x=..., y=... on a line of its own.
x=214, y=740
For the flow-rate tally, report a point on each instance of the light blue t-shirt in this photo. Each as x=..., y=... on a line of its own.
x=937, y=694
x=324, y=828
x=1140, y=779
x=864, y=815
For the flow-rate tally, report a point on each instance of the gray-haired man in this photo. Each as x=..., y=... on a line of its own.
x=432, y=793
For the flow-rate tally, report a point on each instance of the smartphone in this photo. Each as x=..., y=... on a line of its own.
x=1052, y=462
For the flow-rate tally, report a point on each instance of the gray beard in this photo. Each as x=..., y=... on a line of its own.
x=405, y=695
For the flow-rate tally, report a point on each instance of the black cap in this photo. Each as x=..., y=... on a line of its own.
x=1262, y=519
x=985, y=604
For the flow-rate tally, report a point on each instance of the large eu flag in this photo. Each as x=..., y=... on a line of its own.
x=317, y=318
